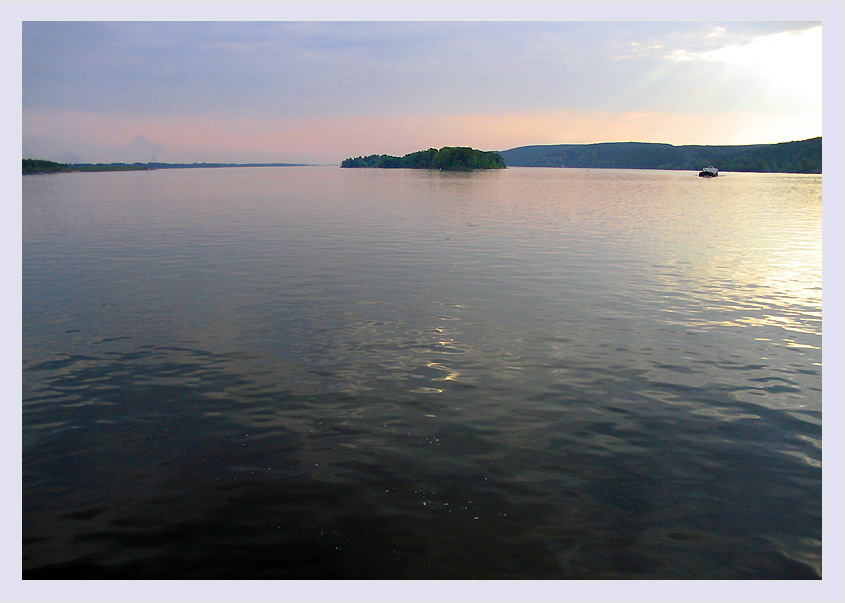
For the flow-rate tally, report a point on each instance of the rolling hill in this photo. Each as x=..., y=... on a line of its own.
x=803, y=156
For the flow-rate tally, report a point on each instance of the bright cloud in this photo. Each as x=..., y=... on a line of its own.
x=787, y=64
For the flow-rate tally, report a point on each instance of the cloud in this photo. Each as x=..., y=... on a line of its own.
x=78, y=137
x=698, y=38
x=317, y=91
x=350, y=68
x=141, y=149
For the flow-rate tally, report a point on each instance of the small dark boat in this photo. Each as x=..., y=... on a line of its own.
x=709, y=172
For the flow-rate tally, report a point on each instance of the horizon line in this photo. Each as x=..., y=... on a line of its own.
x=308, y=164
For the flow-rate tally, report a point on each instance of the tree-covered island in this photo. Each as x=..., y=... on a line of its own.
x=447, y=158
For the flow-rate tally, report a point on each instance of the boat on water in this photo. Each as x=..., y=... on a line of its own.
x=709, y=172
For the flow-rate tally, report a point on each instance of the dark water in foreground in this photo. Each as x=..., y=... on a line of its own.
x=324, y=373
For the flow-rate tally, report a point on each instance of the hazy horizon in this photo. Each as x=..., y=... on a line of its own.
x=319, y=92
x=304, y=164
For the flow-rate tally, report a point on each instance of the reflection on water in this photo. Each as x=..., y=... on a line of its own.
x=323, y=373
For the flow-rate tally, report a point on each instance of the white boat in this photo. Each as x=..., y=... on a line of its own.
x=709, y=172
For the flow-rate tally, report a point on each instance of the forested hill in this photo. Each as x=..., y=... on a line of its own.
x=803, y=156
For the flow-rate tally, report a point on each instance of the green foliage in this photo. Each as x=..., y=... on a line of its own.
x=108, y=167
x=421, y=160
x=447, y=158
x=41, y=166
x=803, y=156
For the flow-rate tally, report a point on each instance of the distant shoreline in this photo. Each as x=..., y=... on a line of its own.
x=43, y=166
x=796, y=157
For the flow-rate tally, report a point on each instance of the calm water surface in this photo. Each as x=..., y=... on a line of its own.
x=326, y=373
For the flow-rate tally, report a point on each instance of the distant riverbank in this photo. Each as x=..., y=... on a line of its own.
x=798, y=157
x=42, y=166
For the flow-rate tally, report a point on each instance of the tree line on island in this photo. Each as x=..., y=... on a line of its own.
x=447, y=158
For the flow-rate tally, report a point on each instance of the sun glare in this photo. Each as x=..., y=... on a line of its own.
x=788, y=63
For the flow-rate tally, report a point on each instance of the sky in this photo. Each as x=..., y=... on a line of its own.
x=321, y=91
